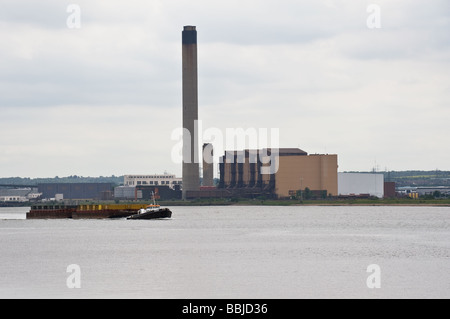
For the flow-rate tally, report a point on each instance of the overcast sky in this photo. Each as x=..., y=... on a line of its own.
x=105, y=98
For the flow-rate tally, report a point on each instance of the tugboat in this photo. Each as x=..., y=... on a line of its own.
x=153, y=211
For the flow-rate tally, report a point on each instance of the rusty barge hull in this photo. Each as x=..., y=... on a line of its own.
x=63, y=214
x=102, y=214
x=83, y=211
x=50, y=214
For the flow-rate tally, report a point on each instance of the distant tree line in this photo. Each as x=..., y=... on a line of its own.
x=401, y=178
x=416, y=178
x=116, y=180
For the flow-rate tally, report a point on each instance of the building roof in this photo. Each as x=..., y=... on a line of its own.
x=288, y=151
x=268, y=151
x=15, y=192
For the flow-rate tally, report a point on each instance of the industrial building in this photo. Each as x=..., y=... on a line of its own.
x=389, y=190
x=20, y=195
x=153, y=180
x=357, y=184
x=140, y=187
x=243, y=171
x=76, y=190
x=424, y=190
x=146, y=192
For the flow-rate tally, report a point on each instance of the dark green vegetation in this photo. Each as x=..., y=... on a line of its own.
x=116, y=180
x=288, y=202
x=416, y=178
x=401, y=178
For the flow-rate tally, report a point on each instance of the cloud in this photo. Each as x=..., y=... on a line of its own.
x=79, y=101
x=85, y=140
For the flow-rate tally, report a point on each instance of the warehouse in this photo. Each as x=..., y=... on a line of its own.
x=76, y=190
x=361, y=184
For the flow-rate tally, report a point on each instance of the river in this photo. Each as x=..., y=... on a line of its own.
x=231, y=252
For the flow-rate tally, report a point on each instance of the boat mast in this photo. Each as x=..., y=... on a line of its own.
x=153, y=196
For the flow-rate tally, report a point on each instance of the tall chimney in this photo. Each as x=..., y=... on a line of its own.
x=208, y=166
x=191, y=178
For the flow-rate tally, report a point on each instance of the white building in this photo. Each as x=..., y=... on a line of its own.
x=152, y=180
x=19, y=195
x=13, y=199
x=361, y=183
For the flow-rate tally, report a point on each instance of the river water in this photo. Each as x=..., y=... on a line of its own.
x=231, y=252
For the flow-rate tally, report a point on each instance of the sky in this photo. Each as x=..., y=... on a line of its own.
x=98, y=92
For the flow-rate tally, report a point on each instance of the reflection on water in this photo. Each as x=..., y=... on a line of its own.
x=13, y=212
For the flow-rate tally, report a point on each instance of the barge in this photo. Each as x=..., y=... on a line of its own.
x=100, y=211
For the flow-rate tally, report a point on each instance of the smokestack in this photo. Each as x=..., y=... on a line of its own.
x=208, y=166
x=191, y=178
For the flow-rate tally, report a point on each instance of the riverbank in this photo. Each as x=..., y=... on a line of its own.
x=272, y=202
x=325, y=202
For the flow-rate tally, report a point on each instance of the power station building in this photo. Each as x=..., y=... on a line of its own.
x=279, y=173
x=284, y=174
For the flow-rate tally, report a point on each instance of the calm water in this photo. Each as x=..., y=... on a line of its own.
x=231, y=252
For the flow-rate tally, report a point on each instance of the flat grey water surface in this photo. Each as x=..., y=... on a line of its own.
x=231, y=252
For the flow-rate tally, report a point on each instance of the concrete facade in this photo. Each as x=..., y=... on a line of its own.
x=361, y=184
x=317, y=172
x=191, y=174
x=125, y=192
x=208, y=165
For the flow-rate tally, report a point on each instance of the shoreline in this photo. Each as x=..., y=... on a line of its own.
x=275, y=203
x=342, y=204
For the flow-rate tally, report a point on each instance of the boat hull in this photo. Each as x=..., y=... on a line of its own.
x=157, y=214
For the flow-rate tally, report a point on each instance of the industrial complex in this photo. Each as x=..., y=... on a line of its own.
x=243, y=172
x=277, y=173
